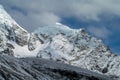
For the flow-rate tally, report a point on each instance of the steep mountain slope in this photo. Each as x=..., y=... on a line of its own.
x=59, y=43
x=77, y=48
x=11, y=30
x=14, y=38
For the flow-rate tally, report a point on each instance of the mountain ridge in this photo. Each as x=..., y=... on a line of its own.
x=40, y=69
x=59, y=43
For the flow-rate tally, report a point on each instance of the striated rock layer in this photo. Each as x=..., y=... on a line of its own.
x=40, y=69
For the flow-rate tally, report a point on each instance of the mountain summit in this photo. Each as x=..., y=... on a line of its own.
x=78, y=48
x=59, y=43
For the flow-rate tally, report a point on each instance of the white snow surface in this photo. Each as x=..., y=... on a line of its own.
x=22, y=51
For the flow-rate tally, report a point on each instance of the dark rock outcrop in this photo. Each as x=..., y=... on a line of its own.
x=40, y=69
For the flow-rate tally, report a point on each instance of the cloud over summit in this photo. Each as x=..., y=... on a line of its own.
x=36, y=13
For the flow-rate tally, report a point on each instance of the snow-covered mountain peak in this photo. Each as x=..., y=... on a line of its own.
x=5, y=19
x=11, y=32
x=66, y=27
x=59, y=43
x=58, y=28
x=76, y=47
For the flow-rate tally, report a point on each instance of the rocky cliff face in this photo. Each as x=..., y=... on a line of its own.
x=59, y=43
x=12, y=34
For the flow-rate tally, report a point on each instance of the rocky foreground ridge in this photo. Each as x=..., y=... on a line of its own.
x=12, y=68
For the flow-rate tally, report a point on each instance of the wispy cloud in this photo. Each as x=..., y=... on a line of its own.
x=43, y=12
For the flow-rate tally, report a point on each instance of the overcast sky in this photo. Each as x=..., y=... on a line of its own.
x=101, y=18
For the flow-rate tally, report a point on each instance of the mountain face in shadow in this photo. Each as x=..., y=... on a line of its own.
x=12, y=68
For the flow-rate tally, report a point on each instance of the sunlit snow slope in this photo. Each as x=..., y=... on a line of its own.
x=76, y=47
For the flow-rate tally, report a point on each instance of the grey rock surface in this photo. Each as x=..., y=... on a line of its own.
x=12, y=68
